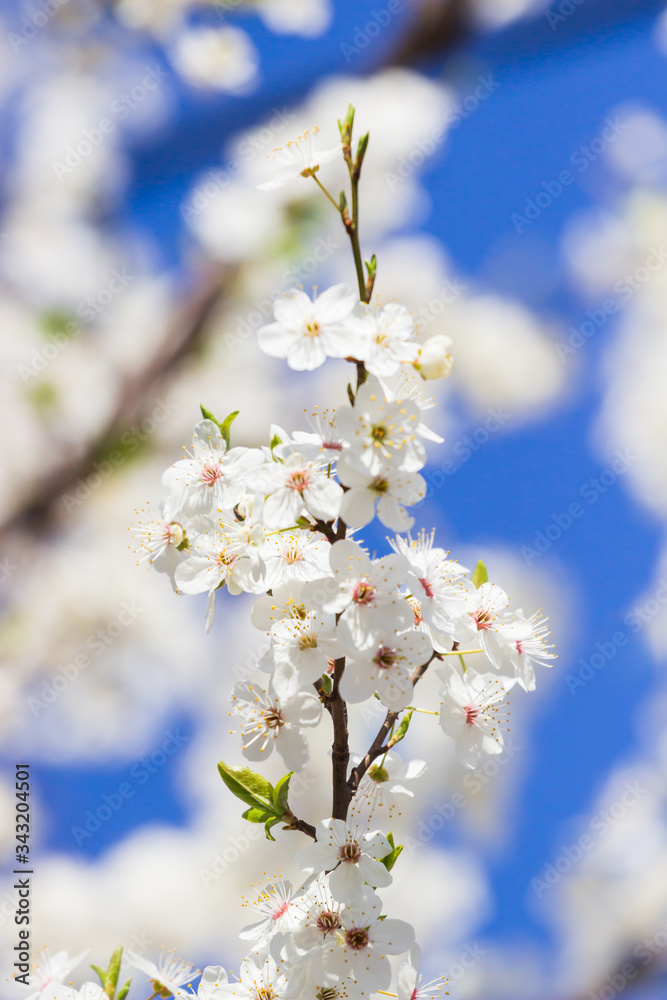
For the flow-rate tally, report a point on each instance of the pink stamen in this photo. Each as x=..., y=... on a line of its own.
x=483, y=620
x=281, y=911
x=428, y=589
x=210, y=474
x=471, y=712
x=299, y=480
x=364, y=592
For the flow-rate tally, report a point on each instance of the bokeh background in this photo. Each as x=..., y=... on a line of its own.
x=515, y=192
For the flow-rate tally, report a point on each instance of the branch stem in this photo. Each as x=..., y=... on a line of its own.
x=378, y=746
x=340, y=750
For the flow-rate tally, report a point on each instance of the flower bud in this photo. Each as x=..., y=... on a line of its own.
x=435, y=360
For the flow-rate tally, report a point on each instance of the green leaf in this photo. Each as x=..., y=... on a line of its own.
x=123, y=993
x=342, y=203
x=390, y=859
x=327, y=684
x=207, y=415
x=248, y=786
x=257, y=815
x=350, y=394
x=402, y=729
x=269, y=823
x=101, y=974
x=226, y=424
x=112, y=973
x=347, y=124
x=480, y=575
x=280, y=794
x=275, y=441
x=362, y=146
x=371, y=266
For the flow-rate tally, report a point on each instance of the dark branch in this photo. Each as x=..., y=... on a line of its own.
x=340, y=750
x=379, y=747
x=185, y=333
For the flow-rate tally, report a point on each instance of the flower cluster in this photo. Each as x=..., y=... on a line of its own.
x=342, y=625
x=307, y=945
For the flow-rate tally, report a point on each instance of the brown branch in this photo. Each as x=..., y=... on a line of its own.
x=302, y=827
x=340, y=750
x=440, y=26
x=378, y=747
x=183, y=336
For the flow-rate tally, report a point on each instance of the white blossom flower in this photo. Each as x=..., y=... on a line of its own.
x=474, y=712
x=212, y=979
x=441, y=641
x=410, y=983
x=304, y=647
x=322, y=444
x=276, y=903
x=218, y=556
x=50, y=970
x=408, y=386
x=383, y=786
x=385, y=666
x=162, y=542
x=361, y=946
x=88, y=991
x=434, y=358
x=222, y=58
x=386, y=337
x=299, y=158
x=212, y=478
x=272, y=718
x=388, y=489
x=307, y=332
x=295, y=555
x=318, y=920
x=488, y=622
x=168, y=974
x=352, y=852
x=286, y=601
x=362, y=591
x=523, y=653
x=437, y=583
x=294, y=486
x=260, y=979
x=300, y=17
x=317, y=915
x=380, y=431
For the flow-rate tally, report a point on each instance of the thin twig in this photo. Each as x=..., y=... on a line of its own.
x=378, y=746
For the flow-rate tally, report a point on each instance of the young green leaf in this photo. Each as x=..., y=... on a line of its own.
x=257, y=815
x=361, y=152
x=112, y=973
x=226, y=425
x=480, y=575
x=327, y=684
x=280, y=794
x=269, y=823
x=248, y=786
x=101, y=974
x=390, y=859
x=207, y=415
x=124, y=991
x=402, y=729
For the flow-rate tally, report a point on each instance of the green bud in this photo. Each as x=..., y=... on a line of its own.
x=480, y=575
